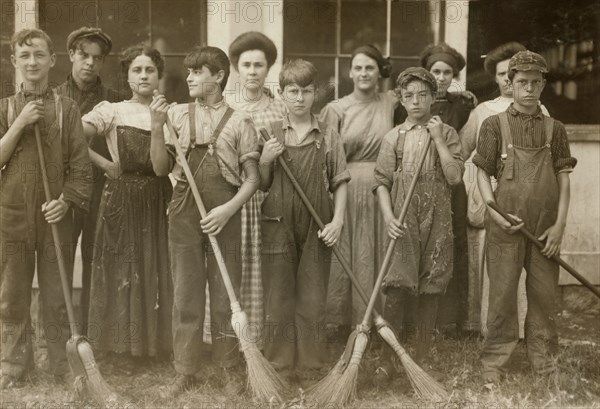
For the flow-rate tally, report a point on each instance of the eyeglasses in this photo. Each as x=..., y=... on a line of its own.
x=408, y=96
x=529, y=84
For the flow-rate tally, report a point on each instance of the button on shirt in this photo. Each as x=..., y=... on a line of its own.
x=237, y=142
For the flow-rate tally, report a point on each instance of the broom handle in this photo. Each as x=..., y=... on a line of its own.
x=317, y=219
x=55, y=236
x=392, y=243
x=213, y=239
x=540, y=245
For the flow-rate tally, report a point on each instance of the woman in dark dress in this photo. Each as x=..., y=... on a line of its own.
x=131, y=289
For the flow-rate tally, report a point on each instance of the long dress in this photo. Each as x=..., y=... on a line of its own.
x=477, y=300
x=263, y=112
x=362, y=125
x=131, y=287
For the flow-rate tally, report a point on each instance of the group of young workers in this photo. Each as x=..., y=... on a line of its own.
x=146, y=254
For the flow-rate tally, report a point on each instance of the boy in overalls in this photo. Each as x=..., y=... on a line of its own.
x=221, y=144
x=295, y=253
x=25, y=233
x=529, y=155
x=422, y=262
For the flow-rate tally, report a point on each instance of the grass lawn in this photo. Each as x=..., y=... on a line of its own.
x=140, y=381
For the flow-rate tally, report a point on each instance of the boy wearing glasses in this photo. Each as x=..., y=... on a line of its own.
x=295, y=253
x=422, y=262
x=529, y=155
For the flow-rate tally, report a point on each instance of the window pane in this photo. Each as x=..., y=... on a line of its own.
x=7, y=28
x=126, y=22
x=58, y=19
x=176, y=25
x=363, y=23
x=325, y=82
x=173, y=83
x=309, y=27
x=412, y=26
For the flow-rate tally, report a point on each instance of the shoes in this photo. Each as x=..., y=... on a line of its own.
x=232, y=382
x=8, y=382
x=384, y=374
x=182, y=384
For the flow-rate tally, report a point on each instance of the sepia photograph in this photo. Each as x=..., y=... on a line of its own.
x=299, y=204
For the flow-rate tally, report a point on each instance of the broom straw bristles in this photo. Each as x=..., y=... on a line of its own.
x=264, y=382
x=95, y=385
x=424, y=385
x=338, y=390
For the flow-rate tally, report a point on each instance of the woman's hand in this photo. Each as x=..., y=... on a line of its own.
x=158, y=109
x=395, y=228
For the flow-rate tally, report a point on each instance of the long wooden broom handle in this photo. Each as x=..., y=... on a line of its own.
x=265, y=135
x=66, y=287
x=392, y=243
x=213, y=239
x=541, y=245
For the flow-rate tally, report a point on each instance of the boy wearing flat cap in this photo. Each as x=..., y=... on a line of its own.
x=421, y=265
x=529, y=155
x=88, y=47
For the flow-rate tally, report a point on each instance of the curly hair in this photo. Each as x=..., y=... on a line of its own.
x=252, y=40
x=131, y=53
x=502, y=52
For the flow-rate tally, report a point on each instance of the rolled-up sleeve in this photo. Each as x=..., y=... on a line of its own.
x=468, y=135
x=386, y=161
x=102, y=117
x=77, y=188
x=248, y=141
x=488, y=146
x=337, y=172
x=563, y=162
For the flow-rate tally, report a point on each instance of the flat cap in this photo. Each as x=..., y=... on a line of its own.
x=527, y=61
x=90, y=33
x=416, y=74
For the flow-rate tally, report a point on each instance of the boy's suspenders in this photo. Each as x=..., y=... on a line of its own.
x=213, y=139
x=507, y=142
x=12, y=116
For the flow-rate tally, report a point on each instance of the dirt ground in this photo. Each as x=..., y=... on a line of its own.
x=140, y=381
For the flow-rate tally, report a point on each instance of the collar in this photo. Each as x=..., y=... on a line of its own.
x=48, y=92
x=537, y=114
x=71, y=81
x=214, y=107
x=314, y=123
x=408, y=125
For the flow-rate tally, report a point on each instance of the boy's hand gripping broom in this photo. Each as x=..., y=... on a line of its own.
x=265, y=383
x=324, y=392
x=540, y=245
x=88, y=380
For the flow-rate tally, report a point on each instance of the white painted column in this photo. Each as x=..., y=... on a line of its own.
x=456, y=32
x=228, y=19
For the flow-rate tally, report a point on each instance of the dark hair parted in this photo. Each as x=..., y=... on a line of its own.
x=252, y=40
x=383, y=64
x=300, y=72
x=131, y=53
x=26, y=35
x=212, y=58
x=501, y=53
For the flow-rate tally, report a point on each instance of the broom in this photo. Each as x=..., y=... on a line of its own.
x=88, y=379
x=424, y=385
x=344, y=388
x=265, y=383
x=540, y=245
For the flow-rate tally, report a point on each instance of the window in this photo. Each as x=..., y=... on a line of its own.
x=173, y=27
x=7, y=28
x=327, y=31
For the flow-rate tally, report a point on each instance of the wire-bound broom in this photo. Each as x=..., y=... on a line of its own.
x=327, y=389
x=265, y=383
x=89, y=382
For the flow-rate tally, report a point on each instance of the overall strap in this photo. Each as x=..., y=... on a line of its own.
x=548, y=129
x=220, y=126
x=277, y=128
x=192, y=118
x=400, y=147
x=507, y=153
